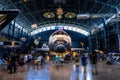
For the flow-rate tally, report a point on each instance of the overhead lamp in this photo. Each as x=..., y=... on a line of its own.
x=59, y=16
x=70, y=15
x=34, y=25
x=49, y=15
x=59, y=12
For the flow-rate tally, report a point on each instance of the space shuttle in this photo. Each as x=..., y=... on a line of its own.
x=60, y=43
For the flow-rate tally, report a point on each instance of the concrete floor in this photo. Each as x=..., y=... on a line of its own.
x=64, y=72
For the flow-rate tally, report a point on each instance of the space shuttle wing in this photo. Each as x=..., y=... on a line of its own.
x=42, y=49
x=77, y=49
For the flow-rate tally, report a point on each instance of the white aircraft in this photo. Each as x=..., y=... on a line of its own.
x=59, y=44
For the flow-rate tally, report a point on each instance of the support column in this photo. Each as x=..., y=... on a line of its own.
x=105, y=35
x=13, y=30
x=118, y=34
x=21, y=32
x=27, y=34
x=117, y=10
x=119, y=40
x=96, y=39
x=9, y=29
x=118, y=30
x=90, y=42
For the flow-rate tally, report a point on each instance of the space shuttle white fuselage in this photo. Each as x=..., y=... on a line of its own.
x=60, y=43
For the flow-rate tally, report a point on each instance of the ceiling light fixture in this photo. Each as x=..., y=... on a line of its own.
x=59, y=12
x=49, y=15
x=70, y=15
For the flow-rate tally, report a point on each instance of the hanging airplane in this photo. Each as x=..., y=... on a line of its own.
x=6, y=16
x=86, y=16
x=59, y=44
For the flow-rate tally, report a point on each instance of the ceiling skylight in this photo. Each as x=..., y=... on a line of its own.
x=60, y=26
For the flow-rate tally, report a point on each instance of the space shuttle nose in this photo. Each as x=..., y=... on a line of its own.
x=60, y=48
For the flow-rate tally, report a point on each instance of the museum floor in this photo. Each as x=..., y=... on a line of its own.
x=54, y=71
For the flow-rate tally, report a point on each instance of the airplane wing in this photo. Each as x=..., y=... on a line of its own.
x=77, y=49
x=47, y=49
x=6, y=16
x=42, y=49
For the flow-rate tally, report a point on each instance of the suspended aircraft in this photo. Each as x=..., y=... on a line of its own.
x=6, y=16
x=86, y=16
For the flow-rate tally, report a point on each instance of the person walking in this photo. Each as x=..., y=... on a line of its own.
x=94, y=62
x=84, y=63
x=77, y=63
x=12, y=63
x=21, y=62
x=39, y=59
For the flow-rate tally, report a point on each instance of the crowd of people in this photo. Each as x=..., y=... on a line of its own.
x=17, y=62
x=83, y=60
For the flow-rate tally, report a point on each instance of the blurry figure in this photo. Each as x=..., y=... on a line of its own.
x=35, y=57
x=42, y=61
x=94, y=63
x=12, y=63
x=21, y=62
x=57, y=59
x=61, y=59
x=39, y=58
x=29, y=58
x=48, y=58
x=8, y=65
x=26, y=58
x=84, y=63
x=77, y=63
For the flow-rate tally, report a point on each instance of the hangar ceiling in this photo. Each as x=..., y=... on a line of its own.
x=47, y=12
